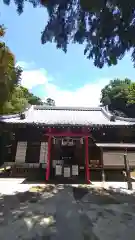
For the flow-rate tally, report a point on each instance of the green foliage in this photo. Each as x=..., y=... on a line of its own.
x=106, y=28
x=50, y=102
x=19, y=100
x=7, y=108
x=117, y=93
x=32, y=99
x=131, y=95
x=13, y=97
x=120, y=95
x=10, y=75
x=2, y=30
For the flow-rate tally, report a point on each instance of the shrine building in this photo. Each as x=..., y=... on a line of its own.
x=66, y=142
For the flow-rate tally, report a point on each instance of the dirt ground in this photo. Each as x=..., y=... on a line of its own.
x=65, y=212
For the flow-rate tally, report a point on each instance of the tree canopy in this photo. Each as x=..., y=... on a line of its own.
x=106, y=28
x=31, y=98
x=10, y=75
x=14, y=98
x=19, y=100
x=50, y=102
x=120, y=95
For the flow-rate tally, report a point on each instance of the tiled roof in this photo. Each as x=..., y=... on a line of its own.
x=66, y=116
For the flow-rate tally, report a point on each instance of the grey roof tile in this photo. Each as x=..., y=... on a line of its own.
x=71, y=116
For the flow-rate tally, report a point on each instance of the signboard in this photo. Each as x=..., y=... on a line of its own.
x=75, y=170
x=43, y=152
x=66, y=172
x=56, y=162
x=67, y=141
x=21, y=152
x=58, y=170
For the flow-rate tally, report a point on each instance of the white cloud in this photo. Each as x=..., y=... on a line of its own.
x=25, y=65
x=87, y=95
x=31, y=78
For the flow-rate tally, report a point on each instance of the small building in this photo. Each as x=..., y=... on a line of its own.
x=67, y=141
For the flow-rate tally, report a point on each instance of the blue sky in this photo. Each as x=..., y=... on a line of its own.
x=69, y=78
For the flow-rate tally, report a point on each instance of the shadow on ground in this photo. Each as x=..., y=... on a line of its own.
x=103, y=196
x=42, y=212
x=29, y=215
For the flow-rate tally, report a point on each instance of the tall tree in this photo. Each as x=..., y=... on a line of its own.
x=32, y=99
x=19, y=100
x=9, y=74
x=131, y=94
x=116, y=94
x=16, y=103
x=50, y=102
x=105, y=27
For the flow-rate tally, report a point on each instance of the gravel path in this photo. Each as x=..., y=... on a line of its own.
x=66, y=213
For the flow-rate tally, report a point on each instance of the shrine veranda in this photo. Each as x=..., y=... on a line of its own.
x=66, y=142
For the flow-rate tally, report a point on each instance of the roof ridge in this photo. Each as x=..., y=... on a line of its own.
x=108, y=114
x=41, y=107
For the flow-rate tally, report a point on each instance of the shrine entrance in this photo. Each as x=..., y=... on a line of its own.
x=67, y=159
x=68, y=154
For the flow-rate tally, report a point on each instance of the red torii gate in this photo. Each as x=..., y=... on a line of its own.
x=68, y=133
